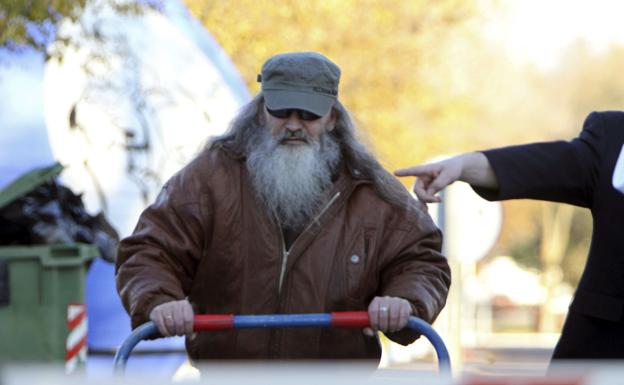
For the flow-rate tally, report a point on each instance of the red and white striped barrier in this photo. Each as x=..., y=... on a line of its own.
x=76, y=343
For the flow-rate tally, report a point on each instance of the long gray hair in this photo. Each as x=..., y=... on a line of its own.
x=354, y=153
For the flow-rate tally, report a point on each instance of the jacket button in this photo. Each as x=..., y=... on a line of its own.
x=355, y=259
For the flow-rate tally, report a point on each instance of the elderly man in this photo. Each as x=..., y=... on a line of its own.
x=285, y=213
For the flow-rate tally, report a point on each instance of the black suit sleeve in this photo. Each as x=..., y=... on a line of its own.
x=557, y=171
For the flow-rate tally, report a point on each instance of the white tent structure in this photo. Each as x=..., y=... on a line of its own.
x=122, y=112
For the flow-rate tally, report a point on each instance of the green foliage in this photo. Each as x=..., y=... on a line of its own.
x=33, y=23
x=384, y=48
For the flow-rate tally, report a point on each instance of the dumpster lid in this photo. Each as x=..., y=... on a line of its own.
x=27, y=182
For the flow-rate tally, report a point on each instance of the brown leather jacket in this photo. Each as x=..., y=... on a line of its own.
x=206, y=238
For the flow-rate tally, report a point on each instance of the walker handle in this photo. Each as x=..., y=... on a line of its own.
x=352, y=319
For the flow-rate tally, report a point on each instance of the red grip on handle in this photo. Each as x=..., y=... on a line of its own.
x=213, y=322
x=350, y=319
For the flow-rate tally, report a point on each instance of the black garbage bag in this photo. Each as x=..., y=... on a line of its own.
x=51, y=213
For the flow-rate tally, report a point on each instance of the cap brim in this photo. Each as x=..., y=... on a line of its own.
x=315, y=103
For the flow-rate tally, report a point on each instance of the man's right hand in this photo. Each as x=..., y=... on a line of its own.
x=173, y=318
x=473, y=168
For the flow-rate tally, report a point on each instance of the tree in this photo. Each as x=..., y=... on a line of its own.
x=35, y=23
x=386, y=50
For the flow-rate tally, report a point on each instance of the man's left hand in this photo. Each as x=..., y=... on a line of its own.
x=389, y=314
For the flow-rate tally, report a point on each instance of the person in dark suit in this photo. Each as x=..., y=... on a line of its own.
x=578, y=172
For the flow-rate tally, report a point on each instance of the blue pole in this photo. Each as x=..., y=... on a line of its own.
x=142, y=332
x=282, y=321
x=444, y=360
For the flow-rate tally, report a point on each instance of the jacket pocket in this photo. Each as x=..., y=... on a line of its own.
x=359, y=282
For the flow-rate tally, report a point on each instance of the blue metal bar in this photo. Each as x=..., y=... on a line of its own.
x=422, y=327
x=144, y=331
x=285, y=321
x=282, y=321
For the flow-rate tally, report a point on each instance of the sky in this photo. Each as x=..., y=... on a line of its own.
x=537, y=31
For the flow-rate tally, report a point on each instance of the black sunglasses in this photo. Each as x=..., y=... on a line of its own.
x=285, y=113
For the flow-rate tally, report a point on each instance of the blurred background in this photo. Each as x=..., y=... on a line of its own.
x=124, y=93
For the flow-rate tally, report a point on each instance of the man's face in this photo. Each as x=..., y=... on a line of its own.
x=296, y=128
x=291, y=162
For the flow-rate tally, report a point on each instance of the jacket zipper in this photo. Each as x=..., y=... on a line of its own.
x=285, y=252
x=274, y=339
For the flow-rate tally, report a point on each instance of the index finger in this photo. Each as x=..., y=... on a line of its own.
x=414, y=171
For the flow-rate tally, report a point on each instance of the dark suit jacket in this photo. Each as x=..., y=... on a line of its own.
x=579, y=172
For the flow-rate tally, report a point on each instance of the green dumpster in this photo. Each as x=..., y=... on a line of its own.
x=42, y=312
x=42, y=297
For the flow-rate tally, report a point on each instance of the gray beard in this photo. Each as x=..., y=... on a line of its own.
x=291, y=181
